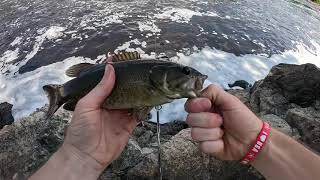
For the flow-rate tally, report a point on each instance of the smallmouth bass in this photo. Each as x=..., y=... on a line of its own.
x=141, y=84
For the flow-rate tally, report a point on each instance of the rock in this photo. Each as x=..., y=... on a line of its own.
x=6, y=117
x=145, y=138
x=27, y=144
x=163, y=139
x=131, y=156
x=243, y=95
x=173, y=127
x=286, y=86
x=146, y=133
x=280, y=124
x=146, y=151
x=299, y=83
x=138, y=131
x=151, y=126
x=170, y=128
x=146, y=169
x=241, y=83
x=307, y=121
x=268, y=100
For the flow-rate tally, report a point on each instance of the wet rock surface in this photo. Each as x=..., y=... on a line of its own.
x=6, y=117
x=277, y=99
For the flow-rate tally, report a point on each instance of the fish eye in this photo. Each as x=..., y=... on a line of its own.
x=186, y=70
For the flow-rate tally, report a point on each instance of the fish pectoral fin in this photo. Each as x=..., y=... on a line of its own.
x=70, y=105
x=141, y=113
x=75, y=70
x=126, y=56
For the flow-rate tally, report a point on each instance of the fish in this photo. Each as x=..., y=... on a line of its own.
x=140, y=84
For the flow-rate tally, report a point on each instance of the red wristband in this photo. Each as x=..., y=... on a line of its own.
x=258, y=145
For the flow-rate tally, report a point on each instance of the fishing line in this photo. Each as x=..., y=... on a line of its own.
x=158, y=108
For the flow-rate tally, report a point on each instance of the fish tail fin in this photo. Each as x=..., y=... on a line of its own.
x=53, y=92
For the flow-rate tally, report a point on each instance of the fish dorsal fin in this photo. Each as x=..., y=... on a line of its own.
x=75, y=70
x=126, y=56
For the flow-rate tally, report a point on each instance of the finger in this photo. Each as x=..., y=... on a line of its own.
x=98, y=94
x=212, y=147
x=204, y=120
x=196, y=105
x=220, y=98
x=109, y=59
x=203, y=134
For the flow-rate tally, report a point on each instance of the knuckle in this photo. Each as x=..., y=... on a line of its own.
x=193, y=137
x=211, y=87
x=194, y=133
x=204, y=147
x=213, y=120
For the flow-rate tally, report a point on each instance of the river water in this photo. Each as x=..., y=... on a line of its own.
x=226, y=39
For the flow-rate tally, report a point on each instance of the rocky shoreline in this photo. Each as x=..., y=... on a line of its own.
x=288, y=98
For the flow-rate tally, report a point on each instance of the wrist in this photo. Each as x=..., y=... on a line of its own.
x=265, y=154
x=69, y=163
x=258, y=145
x=77, y=163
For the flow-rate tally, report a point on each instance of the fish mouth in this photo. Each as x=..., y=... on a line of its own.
x=198, y=86
x=193, y=94
x=188, y=94
x=190, y=89
x=199, y=82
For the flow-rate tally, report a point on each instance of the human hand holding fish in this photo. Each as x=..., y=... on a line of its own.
x=94, y=139
x=228, y=130
x=215, y=108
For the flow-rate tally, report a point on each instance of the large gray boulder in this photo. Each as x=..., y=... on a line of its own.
x=243, y=95
x=281, y=125
x=286, y=86
x=307, y=121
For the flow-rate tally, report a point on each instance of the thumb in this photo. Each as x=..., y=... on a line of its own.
x=97, y=95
